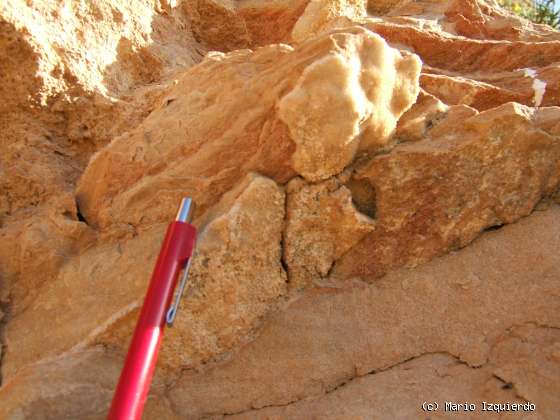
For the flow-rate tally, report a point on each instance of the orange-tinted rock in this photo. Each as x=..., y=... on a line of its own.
x=197, y=141
x=319, y=13
x=225, y=25
x=332, y=157
x=438, y=194
x=423, y=115
x=463, y=304
x=529, y=359
x=321, y=225
x=77, y=385
x=232, y=268
x=430, y=378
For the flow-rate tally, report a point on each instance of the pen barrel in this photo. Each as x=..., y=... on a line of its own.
x=136, y=375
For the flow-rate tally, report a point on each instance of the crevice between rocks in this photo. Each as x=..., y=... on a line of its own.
x=283, y=261
x=507, y=385
x=350, y=380
x=510, y=386
x=5, y=309
x=79, y=214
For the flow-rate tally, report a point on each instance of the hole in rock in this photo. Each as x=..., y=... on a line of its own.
x=79, y=214
x=363, y=196
x=493, y=228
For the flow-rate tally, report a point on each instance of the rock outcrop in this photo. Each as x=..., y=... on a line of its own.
x=377, y=189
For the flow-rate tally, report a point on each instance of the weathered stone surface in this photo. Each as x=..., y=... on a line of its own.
x=73, y=386
x=115, y=275
x=348, y=102
x=225, y=25
x=197, y=141
x=322, y=224
x=233, y=269
x=65, y=94
x=429, y=378
x=463, y=304
x=77, y=385
x=319, y=13
x=516, y=65
x=438, y=194
x=39, y=245
x=423, y=115
x=528, y=357
x=332, y=157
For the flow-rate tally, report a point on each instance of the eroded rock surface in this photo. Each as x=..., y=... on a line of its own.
x=303, y=112
x=322, y=225
x=439, y=193
x=375, y=187
x=233, y=268
x=468, y=304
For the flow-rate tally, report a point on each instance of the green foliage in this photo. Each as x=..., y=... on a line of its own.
x=541, y=12
x=545, y=13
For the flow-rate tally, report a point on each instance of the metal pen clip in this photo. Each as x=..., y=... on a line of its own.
x=172, y=312
x=183, y=215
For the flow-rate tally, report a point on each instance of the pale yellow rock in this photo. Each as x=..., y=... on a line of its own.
x=365, y=87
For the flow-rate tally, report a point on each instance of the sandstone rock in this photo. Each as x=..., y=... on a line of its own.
x=73, y=386
x=36, y=247
x=438, y=194
x=420, y=117
x=225, y=25
x=528, y=358
x=286, y=94
x=380, y=7
x=64, y=94
x=479, y=74
x=367, y=144
x=462, y=304
x=434, y=378
x=240, y=275
x=110, y=278
x=475, y=19
x=271, y=21
x=232, y=268
x=78, y=385
x=322, y=224
x=217, y=23
x=319, y=13
x=377, y=87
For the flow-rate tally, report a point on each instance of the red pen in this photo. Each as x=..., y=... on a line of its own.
x=157, y=311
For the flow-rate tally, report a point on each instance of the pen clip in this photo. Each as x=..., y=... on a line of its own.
x=172, y=312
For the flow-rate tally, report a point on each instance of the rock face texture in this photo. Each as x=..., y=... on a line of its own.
x=377, y=189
